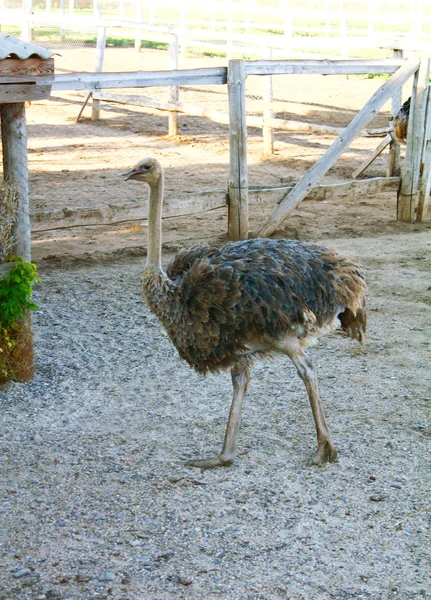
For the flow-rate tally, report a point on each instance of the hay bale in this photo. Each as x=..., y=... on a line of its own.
x=9, y=199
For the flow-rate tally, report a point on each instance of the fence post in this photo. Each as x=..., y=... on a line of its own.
x=138, y=16
x=98, y=68
x=238, y=174
x=62, y=20
x=15, y=170
x=267, y=130
x=408, y=195
x=394, y=148
x=26, y=30
x=425, y=184
x=174, y=92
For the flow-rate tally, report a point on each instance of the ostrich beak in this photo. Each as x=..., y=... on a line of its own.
x=129, y=174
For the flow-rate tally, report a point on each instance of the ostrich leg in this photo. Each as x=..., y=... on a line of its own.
x=307, y=372
x=240, y=379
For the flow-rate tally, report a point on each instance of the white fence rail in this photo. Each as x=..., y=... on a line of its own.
x=243, y=27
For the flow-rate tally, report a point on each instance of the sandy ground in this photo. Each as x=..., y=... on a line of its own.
x=96, y=501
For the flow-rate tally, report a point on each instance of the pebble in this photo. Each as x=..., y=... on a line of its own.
x=22, y=573
x=107, y=576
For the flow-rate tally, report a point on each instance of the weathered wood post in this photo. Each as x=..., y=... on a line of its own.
x=394, y=148
x=408, y=196
x=325, y=162
x=238, y=176
x=425, y=183
x=15, y=171
x=98, y=68
x=138, y=17
x=174, y=92
x=267, y=130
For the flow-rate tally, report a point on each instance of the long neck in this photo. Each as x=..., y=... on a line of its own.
x=155, y=226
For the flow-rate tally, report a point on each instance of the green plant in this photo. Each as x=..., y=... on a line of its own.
x=16, y=291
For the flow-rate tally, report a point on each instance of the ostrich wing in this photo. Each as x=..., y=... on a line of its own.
x=184, y=259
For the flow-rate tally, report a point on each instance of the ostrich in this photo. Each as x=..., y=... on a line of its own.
x=401, y=122
x=223, y=307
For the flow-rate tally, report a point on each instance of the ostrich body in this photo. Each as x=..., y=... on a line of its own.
x=222, y=307
x=401, y=122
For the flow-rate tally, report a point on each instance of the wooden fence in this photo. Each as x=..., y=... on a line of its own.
x=414, y=192
x=237, y=28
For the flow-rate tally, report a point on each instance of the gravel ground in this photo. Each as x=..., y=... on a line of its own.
x=97, y=503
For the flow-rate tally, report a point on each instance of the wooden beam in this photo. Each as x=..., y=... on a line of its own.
x=329, y=191
x=367, y=162
x=199, y=202
x=86, y=81
x=187, y=204
x=16, y=70
x=268, y=96
x=174, y=91
x=322, y=67
x=408, y=196
x=310, y=180
x=425, y=183
x=98, y=67
x=238, y=174
x=15, y=170
x=394, y=147
x=23, y=92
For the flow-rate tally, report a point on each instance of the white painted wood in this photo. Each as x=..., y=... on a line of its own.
x=268, y=96
x=98, y=67
x=15, y=170
x=408, y=196
x=238, y=174
x=174, y=92
x=322, y=67
x=367, y=162
x=364, y=116
x=85, y=81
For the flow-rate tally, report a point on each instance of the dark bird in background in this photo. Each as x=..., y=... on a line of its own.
x=223, y=307
x=401, y=122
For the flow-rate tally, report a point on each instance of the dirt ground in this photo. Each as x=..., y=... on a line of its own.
x=96, y=500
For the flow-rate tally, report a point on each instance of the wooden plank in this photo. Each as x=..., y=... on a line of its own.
x=424, y=201
x=174, y=92
x=268, y=96
x=85, y=81
x=15, y=70
x=310, y=180
x=408, y=196
x=238, y=173
x=394, y=147
x=322, y=67
x=23, y=92
x=98, y=67
x=367, y=162
x=15, y=170
x=187, y=204
x=329, y=191
x=200, y=202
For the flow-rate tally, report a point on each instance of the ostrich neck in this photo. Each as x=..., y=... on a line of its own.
x=158, y=288
x=154, y=250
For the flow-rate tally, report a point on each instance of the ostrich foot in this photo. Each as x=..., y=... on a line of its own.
x=325, y=453
x=211, y=463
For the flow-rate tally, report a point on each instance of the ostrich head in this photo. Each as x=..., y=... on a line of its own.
x=147, y=170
